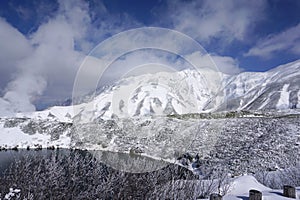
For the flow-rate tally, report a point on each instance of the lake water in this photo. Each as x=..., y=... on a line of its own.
x=118, y=161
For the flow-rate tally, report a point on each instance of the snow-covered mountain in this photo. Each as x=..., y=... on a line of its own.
x=113, y=117
x=130, y=117
x=157, y=94
x=188, y=92
x=276, y=89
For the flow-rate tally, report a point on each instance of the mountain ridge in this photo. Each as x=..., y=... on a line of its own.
x=186, y=91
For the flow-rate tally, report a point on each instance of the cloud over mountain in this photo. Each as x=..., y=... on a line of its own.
x=288, y=40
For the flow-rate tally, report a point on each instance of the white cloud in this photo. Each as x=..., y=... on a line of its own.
x=41, y=58
x=288, y=40
x=13, y=44
x=205, y=20
x=46, y=61
x=137, y=51
x=13, y=47
x=226, y=64
x=98, y=72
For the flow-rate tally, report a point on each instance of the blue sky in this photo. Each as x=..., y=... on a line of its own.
x=42, y=39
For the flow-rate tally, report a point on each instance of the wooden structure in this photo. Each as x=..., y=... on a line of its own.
x=255, y=195
x=215, y=197
x=289, y=191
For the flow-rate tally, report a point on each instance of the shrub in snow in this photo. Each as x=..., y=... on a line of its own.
x=12, y=194
x=78, y=175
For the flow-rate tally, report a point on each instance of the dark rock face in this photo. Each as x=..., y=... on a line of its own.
x=14, y=122
x=33, y=126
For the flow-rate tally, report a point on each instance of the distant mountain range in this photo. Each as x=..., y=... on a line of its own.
x=135, y=114
x=183, y=92
x=276, y=89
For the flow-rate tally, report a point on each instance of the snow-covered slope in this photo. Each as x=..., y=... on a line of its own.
x=187, y=92
x=158, y=95
x=276, y=89
x=240, y=187
x=130, y=117
x=237, y=189
x=248, y=183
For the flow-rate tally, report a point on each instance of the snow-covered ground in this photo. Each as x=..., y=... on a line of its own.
x=34, y=132
x=15, y=137
x=240, y=190
x=283, y=101
x=236, y=189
